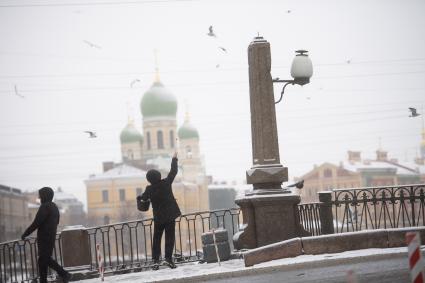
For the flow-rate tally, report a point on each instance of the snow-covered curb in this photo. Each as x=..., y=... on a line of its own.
x=195, y=272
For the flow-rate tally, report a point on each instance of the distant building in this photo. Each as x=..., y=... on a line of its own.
x=13, y=213
x=72, y=209
x=111, y=196
x=221, y=196
x=359, y=172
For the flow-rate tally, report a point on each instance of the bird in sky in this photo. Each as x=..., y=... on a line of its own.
x=91, y=134
x=91, y=44
x=413, y=111
x=211, y=32
x=17, y=93
x=222, y=48
x=133, y=82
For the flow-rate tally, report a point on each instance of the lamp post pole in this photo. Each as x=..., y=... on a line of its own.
x=269, y=212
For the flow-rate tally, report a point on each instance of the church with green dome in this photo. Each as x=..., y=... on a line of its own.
x=150, y=144
x=161, y=136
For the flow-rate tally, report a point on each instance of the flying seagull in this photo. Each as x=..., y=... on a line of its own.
x=91, y=44
x=211, y=32
x=17, y=93
x=222, y=48
x=133, y=82
x=414, y=113
x=91, y=134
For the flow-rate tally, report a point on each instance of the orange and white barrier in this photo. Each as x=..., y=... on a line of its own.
x=100, y=262
x=416, y=263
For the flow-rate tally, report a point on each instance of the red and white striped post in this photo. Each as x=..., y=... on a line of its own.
x=351, y=277
x=100, y=262
x=416, y=263
x=216, y=248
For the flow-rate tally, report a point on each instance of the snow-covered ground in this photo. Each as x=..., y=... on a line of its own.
x=192, y=272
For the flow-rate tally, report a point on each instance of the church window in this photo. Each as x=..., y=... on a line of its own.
x=105, y=196
x=171, y=139
x=122, y=194
x=160, y=138
x=148, y=140
x=188, y=152
x=327, y=173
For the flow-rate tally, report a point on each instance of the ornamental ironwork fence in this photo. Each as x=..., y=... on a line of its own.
x=309, y=214
x=18, y=260
x=356, y=209
x=128, y=245
x=125, y=246
x=379, y=207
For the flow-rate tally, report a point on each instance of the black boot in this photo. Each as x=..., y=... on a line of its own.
x=66, y=277
x=170, y=263
x=155, y=265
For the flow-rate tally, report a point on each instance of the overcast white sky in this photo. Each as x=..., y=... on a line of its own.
x=369, y=67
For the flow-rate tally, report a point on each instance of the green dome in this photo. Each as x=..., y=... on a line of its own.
x=130, y=134
x=158, y=101
x=187, y=131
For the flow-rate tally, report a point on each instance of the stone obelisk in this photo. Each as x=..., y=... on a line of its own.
x=269, y=213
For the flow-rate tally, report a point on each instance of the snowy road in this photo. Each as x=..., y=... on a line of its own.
x=371, y=265
x=384, y=270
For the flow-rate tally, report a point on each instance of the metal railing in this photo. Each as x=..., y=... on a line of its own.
x=356, y=209
x=379, y=207
x=18, y=260
x=128, y=245
x=124, y=246
x=309, y=215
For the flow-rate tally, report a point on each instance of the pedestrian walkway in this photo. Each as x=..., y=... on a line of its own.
x=198, y=272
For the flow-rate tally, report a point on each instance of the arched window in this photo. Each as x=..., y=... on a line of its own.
x=105, y=196
x=130, y=154
x=148, y=140
x=160, y=138
x=171, y=139
x=188, y=152
x=106, y=219
x=327, y=173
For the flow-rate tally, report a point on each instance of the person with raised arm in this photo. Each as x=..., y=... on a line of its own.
x=165, y=211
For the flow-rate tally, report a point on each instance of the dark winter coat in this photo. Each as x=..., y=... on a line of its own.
x=46, y=222
x=160, y=193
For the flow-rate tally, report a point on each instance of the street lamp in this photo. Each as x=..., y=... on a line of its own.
x=301, y=71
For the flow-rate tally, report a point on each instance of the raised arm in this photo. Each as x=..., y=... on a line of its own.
x=39, y=219
x=174, y=169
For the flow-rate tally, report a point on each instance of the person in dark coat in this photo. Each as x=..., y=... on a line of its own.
x=46, y=222
x=165, y=211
